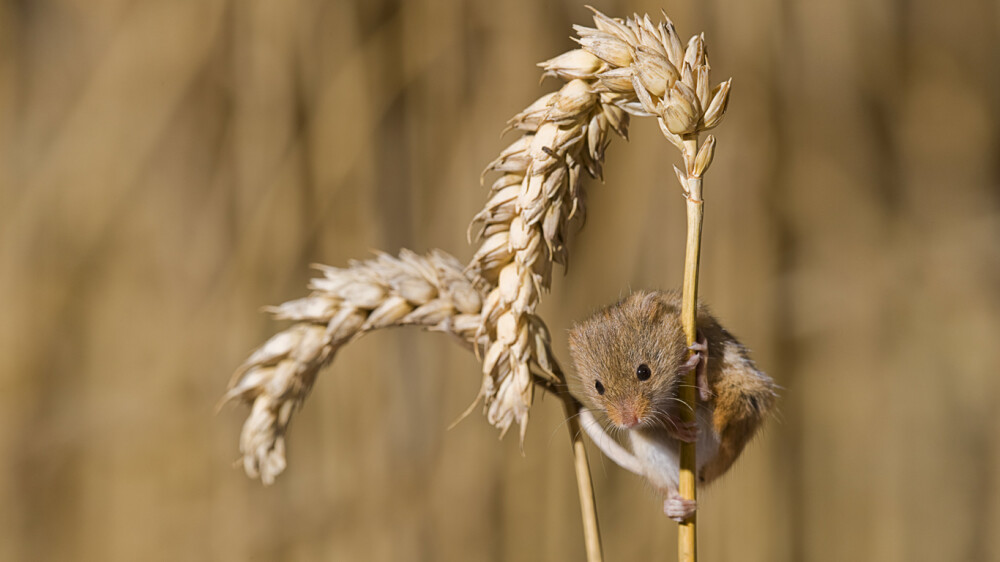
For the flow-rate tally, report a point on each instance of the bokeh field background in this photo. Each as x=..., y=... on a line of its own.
x=167, y=167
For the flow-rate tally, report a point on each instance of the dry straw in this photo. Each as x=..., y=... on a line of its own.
x=622, y=68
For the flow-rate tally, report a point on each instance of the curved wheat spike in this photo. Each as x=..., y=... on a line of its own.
x=431, y=291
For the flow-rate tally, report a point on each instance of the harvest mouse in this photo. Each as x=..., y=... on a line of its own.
x=630, y=360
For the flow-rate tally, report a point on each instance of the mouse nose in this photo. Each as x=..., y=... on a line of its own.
x=627, y=416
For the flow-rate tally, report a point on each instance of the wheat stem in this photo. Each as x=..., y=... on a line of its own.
x=696, y=160
x=687, y=536
x=584, y=482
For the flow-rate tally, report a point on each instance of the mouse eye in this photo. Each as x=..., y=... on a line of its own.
x=643, y=372
x=599, y=387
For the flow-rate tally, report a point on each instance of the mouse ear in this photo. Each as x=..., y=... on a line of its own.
x=651, y=306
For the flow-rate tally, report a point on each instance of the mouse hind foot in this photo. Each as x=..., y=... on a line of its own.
x=678, y=508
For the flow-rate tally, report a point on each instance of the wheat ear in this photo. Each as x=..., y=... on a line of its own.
x=431, y=291
x=523, y=232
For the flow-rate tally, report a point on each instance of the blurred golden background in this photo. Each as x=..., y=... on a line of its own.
x=169, y=166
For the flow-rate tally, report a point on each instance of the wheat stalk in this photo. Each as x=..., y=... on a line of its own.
x=623, y=68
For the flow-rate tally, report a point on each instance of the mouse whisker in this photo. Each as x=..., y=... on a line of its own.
x=561, y=424
x=664, y=417
x=681, y=402
x=710, y=393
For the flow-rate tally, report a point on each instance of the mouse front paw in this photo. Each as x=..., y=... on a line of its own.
x=699, y=361
x=678, y=508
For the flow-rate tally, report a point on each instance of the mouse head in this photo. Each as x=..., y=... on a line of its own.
x=627, y=358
